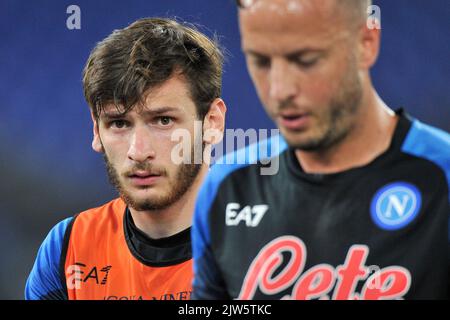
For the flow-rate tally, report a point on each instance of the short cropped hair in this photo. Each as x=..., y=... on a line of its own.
x=355, y=10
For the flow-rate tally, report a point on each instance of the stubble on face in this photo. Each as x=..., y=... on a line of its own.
x=337, y=120
x=178, y=185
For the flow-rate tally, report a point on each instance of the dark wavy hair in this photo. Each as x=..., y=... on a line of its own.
x=142, y=56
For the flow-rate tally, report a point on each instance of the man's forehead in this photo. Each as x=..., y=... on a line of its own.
x=286, y=45
x=290, y=8
x=308, y=24
x=171, y=95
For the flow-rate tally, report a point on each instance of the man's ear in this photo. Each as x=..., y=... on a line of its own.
x=370, y=39
x=214, y=122
x=96, y=141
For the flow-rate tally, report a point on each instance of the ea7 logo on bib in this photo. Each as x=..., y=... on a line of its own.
x=395, y=205
x=251, y=215
x=79, y=273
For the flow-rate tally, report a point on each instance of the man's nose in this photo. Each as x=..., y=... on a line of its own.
x=141, y=144
x=283, y=82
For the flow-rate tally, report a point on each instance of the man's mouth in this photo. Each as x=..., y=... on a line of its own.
x=293, y=121
x=144, y=178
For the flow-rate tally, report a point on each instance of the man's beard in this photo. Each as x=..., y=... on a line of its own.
x=178, y=186
x=339, y=118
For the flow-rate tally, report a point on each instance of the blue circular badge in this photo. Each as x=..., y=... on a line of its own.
x=395, y=205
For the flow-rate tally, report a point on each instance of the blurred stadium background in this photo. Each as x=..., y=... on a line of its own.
x=47, y=167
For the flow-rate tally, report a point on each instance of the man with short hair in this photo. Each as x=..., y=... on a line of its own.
x=143, y=84
x=359, y=208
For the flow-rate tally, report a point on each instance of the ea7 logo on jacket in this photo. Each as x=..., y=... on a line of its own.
x=318, y=282
x=79, y=273
x=251, y=215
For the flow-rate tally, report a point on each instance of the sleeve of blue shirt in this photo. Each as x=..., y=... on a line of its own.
x=434, y=145
x=44, y=281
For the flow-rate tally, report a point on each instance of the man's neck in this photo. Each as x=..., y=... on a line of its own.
x=164, y=223
x=370, y=137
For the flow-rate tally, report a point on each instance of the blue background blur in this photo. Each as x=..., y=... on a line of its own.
x=47, y=168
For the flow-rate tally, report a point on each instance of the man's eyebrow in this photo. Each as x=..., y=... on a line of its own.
x=160, y=110
x=299, y=53
x=289, y=55
x=111, y=115
x=255, y=53
x=146, y=112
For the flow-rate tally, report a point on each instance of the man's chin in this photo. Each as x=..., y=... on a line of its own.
x=145, y=204
x=311, y=145
x=301, y=141
x=145, y=196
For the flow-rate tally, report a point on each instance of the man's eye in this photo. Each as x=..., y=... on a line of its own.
x=119, y=124
x=261, y=62
x=306, y=63
x=164, y=121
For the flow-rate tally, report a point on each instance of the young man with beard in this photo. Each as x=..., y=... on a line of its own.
x=142, y=83
x=359, y=208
